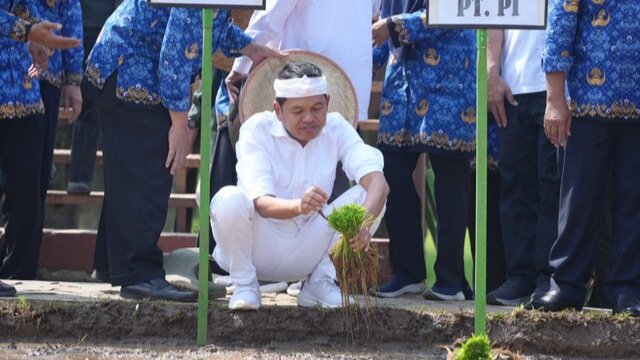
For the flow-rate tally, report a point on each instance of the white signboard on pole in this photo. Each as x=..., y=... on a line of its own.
x=250, y=4
x=485, y=14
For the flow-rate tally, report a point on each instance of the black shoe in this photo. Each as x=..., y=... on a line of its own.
x=7, y=290
x=157, y=289
x=79, y=188
x=514, y=292
x=554, y=301
x=626, y=305
x=543, y=284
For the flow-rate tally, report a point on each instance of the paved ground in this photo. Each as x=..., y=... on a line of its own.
x=82, y=291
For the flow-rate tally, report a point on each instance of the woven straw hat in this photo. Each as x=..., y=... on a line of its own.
x=258, y=94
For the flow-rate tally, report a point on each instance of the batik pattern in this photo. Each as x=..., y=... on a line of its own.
x=597, y=44
x=157, y=52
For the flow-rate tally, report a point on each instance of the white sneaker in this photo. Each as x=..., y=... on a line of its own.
x=431, y=294
x=265, y=287
x=294, y=289
x=246, y=297
x=323, y=293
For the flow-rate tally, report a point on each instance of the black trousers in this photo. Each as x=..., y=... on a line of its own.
x=21, y=149
x=137, y=189
x=452, y=201
x=84, y=142
x=403, y=214
x=51, y=99
x=496, y=265
x=530, y=185
x=591, y=150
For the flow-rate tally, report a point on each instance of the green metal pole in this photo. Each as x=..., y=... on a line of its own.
x=205, y=151
x=481, y=186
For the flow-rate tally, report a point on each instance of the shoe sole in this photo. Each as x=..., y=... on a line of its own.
x=244, y=306
x=434, y=296
x=408, y=289
x=309, y=302
x=8, y=293
x=509, y=302
x=137, y=296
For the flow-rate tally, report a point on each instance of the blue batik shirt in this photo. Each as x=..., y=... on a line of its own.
x=156, y=51
x=65, y=66
x=597, y=44
x=19, y=94
x=429, y=96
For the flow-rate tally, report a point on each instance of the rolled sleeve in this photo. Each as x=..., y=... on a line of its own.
x=255, y=172
x=408, y=28
x=561, y=35
x=358, y=159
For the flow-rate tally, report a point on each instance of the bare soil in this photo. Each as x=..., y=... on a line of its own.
x=126, y=330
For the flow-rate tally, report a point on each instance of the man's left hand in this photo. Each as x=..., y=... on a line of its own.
x=362, y=240
x=258, y=52
x=380, y=32
x=39, y=58
x=72, y=100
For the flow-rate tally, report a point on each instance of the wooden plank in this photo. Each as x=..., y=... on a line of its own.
x=60, y=197
x=369, y=125
x=63, y=156
x=376, y=87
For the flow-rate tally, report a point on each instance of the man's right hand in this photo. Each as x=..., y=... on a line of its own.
x=42, y=33
x=231, y=82
x=498, y=91
x=312, y=200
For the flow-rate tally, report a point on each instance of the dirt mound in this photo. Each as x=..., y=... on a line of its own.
x=129, y=323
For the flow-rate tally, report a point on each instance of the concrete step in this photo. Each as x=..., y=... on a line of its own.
x=63, y=156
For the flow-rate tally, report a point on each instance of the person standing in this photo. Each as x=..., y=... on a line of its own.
x=22, y=131
x=84, y=142
x=592, y=53
x=143, y=64
x=428, y=105
x=529, y=178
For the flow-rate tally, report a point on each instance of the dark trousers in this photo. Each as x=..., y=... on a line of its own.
x=590, y=151
x=86, y=128
x=85, y=136
x=529, y=189
x=496, y=266
x=21, y=149
x=403, y=214
x=452, y=199
x=51, y=99
x=137, y=189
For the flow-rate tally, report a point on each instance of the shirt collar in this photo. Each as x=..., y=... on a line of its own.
x=278, y=130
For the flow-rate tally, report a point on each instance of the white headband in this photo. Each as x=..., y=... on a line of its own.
x=301, y=87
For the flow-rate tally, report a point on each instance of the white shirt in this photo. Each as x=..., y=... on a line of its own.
x=522, y=61
x=271, y=162
x=338, y=29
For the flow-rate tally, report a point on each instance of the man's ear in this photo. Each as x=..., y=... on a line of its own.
x=278, y=110
x=328, y=100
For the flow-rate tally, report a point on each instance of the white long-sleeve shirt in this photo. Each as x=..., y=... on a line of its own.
x=338, y=29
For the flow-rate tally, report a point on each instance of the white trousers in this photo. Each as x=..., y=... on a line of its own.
x=251, y=247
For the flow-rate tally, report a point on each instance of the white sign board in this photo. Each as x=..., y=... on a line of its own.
x=483, y=14
x=253, y=4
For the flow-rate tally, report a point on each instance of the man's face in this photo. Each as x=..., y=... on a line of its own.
x=303, y=118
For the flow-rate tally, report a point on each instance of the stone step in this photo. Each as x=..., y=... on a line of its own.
x=61, y=197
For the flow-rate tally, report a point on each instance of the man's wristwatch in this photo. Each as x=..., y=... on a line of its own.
x=192, y=124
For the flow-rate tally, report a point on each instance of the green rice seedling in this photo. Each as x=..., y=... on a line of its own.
x=356, y=270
